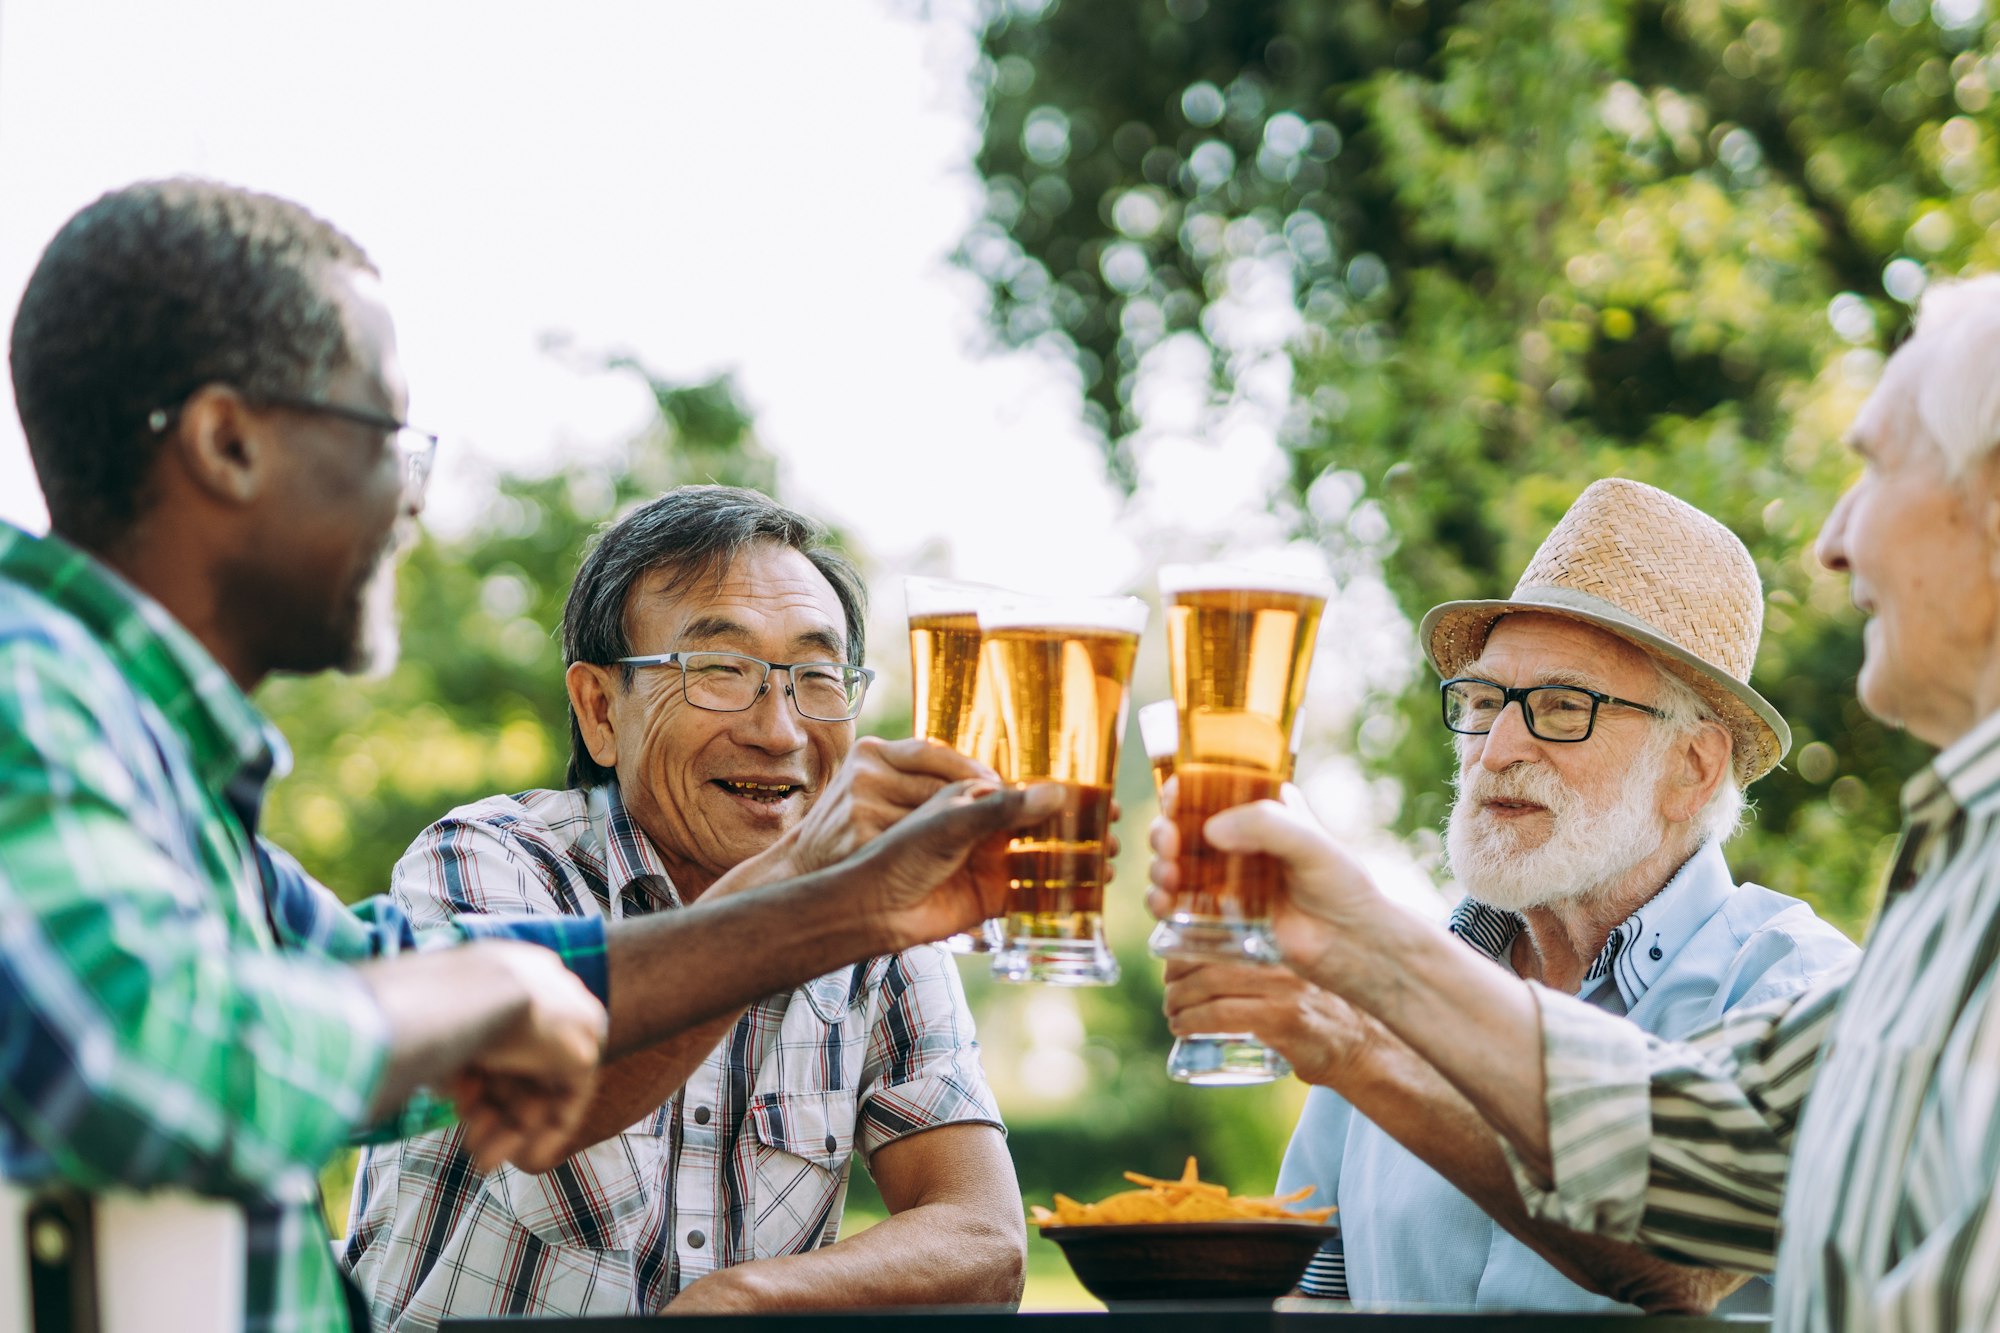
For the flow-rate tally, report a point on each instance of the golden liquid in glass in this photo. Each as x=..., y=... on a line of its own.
x=1239, y=659
x=1062, y=695
x=952, y=698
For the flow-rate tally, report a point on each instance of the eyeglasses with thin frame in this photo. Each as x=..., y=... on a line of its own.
x=1561, y=713
x=732, y=682
x=416, y=448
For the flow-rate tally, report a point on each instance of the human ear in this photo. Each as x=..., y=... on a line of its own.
x=1703, y=761
x=218, y=446
x=590, y=689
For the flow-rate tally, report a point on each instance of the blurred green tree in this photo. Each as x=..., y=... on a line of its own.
x=1530, y=244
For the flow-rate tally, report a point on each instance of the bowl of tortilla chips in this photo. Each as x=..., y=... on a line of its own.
x=1185, y=1239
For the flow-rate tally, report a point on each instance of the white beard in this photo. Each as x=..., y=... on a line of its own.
x=1586, y=852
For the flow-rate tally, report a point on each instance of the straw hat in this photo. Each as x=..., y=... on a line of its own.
x=1659, y=573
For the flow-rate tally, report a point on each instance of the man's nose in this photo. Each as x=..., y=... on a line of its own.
x=1831, y=546
x=1510, y=742
x=773, y=721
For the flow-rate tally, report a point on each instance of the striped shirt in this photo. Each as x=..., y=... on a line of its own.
x=174, y=1012
x=748, y=1160
x=1884, y=1084
x=1701, y=947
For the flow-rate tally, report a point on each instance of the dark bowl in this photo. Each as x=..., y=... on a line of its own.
x=1164, y=1261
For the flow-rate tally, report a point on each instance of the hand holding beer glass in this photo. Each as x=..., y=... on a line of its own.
x=1239, y=645
x=1061, y=670
x=952, y=697
x=1207, y=1059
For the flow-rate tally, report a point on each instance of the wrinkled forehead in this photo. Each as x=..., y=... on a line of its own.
x=767, y=598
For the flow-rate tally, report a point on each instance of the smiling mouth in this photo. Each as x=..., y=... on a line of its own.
x=1514, y=807
x=767, y=793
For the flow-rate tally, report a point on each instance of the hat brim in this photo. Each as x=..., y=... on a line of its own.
x=1455, y=632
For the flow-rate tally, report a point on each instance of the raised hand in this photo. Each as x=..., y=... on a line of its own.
x=941, y=869
x=879, y=783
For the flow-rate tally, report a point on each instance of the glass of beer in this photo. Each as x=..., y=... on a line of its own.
x=1239, y=645
x=952, y=697
x=1062, y=670
x=1206, y=1059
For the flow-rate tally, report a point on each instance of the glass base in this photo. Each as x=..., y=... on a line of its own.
x=983, y=940
x=1183, y=936
x=1224, y=1060
x=1056, y=962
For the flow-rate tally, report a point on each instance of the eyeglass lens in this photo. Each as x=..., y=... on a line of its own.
x=1553, y=712
x=729, y=683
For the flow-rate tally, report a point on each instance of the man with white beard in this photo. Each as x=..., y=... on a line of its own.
x=1606, y=731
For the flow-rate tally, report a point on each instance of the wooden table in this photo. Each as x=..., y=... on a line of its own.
x=1291, y=1316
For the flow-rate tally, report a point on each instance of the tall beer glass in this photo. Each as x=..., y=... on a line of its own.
x=1207, y=1059
x=1062, y=671
x=1239, y=645
x=952, y=697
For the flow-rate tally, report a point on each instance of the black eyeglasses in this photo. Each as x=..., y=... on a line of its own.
x=416, y=448
x=1563, y=713
x=732, y=682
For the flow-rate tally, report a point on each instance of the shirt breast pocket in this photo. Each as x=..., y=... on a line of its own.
x=804, y=1141
x=600, y=1199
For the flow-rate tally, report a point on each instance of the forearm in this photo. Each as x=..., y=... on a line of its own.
x=634, y=1085
x=1472, y=1023
x=945, y=1253
x=674, y=972
x=1404, y=1095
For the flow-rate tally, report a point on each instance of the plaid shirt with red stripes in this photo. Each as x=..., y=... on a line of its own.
x=747, y=1161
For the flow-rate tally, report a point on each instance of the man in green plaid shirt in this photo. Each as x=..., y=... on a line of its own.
x=210, y=390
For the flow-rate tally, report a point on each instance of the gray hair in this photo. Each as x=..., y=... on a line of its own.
x=1954, y=391
x=1682, y=713
x=693, y=531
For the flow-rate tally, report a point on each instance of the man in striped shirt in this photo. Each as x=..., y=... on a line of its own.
x=1587, y=834
x=1880, y=1087
x=715, y=646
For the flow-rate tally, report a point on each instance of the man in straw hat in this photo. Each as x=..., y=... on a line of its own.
x=1881, y=1084
x=1587, y=834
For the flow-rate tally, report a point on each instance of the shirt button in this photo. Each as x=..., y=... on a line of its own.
x=832, y=1145
x=1655, y=953
x=701, y=1115
x=696, y=1240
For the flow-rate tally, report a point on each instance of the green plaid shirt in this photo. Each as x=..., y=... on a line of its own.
x=176, y=1008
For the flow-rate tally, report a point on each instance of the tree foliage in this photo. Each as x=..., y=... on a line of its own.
x=1529, y=243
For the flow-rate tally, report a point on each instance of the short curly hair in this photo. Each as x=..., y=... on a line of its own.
x=142, y=298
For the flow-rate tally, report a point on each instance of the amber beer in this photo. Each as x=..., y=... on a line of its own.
x=1240, y=647
x=951, y=695
x=1061, y=672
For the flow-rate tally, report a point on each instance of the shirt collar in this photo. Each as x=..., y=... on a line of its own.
x=636, y=877
x=1642, y=946
x=227, y=737
x=1965, y=774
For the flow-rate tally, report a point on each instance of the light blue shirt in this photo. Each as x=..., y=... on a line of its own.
x=1702, y=946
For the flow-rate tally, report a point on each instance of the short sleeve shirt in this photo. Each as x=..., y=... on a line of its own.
x=748, y=1161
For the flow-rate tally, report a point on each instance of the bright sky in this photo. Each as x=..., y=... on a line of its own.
x=766, y=188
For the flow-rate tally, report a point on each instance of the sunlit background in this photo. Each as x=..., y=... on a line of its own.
x=1046, y=294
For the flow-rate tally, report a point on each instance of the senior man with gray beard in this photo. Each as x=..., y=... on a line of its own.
x=1605, y=731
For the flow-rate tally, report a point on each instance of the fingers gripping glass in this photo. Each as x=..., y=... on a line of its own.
x=1564, y=713
x=732, y=682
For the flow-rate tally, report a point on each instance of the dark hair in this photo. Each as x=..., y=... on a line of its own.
x=693, y=531
x=142, y=298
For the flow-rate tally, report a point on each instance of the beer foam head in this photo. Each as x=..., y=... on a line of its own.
x=1090, y=615
x=1234, y=578
x=1160, y=728
x=948, y=597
